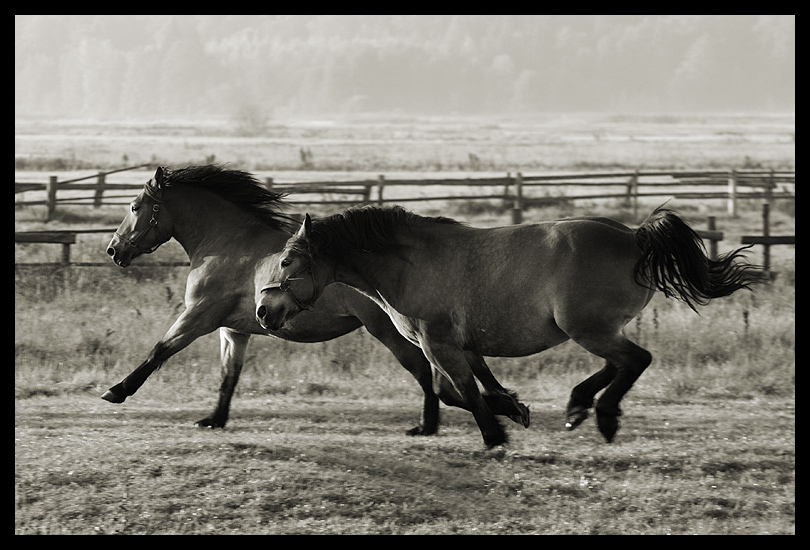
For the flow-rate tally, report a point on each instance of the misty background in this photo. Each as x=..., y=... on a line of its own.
x=278, y=66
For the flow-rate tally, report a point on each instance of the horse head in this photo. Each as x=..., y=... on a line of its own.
x=145, y=227
x=291, y=285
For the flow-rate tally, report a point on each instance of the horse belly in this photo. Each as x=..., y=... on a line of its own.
x=517, y=339
x=519, y=347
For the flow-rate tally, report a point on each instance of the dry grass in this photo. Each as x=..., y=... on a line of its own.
x=315, y=442
x=293, y=465
x=553, y=142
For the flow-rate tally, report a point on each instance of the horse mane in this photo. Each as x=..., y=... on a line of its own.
x=360, y=228
x=240, y=188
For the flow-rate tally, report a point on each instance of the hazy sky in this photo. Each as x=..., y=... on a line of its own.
x=129, y=66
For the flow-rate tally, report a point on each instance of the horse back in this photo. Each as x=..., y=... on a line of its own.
x=593, y=282
x=570, y=264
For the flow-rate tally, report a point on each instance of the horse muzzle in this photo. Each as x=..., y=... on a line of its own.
x=269, y=320
x=273, y=310
x=120, y=253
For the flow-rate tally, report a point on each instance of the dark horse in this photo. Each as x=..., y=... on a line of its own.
x=227, y=222
x=506, y=291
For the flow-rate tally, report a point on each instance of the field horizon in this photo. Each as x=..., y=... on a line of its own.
x=555, y=141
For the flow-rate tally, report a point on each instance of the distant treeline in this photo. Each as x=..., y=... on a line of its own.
x=286, y=65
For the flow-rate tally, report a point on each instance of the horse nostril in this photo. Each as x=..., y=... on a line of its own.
x=111, y=251
x=261, y=312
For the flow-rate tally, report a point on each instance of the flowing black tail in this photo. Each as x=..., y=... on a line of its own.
x=674, y=261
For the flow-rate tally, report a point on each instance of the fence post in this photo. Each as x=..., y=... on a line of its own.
x=766, y=232
x=506, y=195
x=367, y=193
x=712, y=242
x=99, y=190
x=771, y=185
x=517, y=207
x=268, y=183
x=732, y=193
x=380, y=186
x=632, y=193
x=66, y=253
x=50, y=199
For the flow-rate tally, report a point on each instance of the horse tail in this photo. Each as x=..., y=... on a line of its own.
x=674, y=261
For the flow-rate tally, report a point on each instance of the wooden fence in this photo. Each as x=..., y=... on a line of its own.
x=67, y=238
x=766, y=240
x=519, y=190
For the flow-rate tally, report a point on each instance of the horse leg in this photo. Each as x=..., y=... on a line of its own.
x=187, y=328
x=411, y=358
x=630, y=360
x=451, y=362
x=233, y=347
x=415, y=362
x=583, y=394
x=499, y=399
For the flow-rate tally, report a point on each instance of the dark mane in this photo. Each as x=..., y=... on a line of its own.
x=239, y=188
x=360, y=228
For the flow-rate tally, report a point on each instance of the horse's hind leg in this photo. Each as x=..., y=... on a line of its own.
x=233, y=347
x=583, y=394
x=630, y=360
x=499, y=399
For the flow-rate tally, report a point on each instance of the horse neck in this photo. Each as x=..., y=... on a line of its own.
x=204, y=223
x=377, y=274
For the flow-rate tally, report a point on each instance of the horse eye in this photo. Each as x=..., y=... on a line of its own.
x=134, y=207
x=286, y=262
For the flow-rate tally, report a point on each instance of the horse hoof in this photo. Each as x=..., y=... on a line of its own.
x=420, y=430
x=608, y=426
x=209, y=423
x=113, y=397
x=493, y=440
x=524, y=417
x=576, y=417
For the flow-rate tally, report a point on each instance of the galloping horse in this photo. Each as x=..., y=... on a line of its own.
x=506, y=291
x=227, y=222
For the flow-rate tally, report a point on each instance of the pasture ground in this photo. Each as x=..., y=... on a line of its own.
x=339, y=465
x=316, y=439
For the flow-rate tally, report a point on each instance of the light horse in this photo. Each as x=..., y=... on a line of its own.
x=227, y=222
x=506, y=291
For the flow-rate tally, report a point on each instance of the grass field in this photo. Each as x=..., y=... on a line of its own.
x=316, y=439
x=312, y=465
x=571, y=141
x=316, y=443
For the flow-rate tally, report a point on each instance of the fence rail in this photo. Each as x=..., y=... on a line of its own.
x=629, y=186
x=67, y=237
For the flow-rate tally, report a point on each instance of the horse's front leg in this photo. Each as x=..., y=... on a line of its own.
x=450, y=360
x=187, y=328
x=233, y=347
x=409, y=356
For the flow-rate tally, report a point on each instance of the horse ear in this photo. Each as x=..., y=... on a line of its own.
x=159, y=176
x=306, y=227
